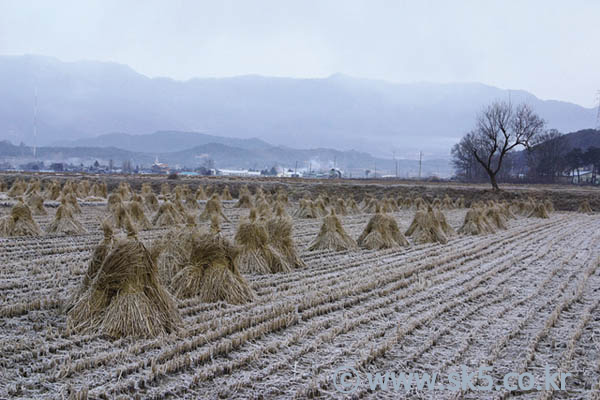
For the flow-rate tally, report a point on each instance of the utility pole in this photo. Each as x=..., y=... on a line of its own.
x=420, y=162
x=296, y=168
x=35, y=122
x=598, y=115
x=375, y=174
x=395, y=163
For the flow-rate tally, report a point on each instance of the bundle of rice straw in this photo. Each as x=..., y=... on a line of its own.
x=53, y=191
x=98, y=190
x=420, y=204
x=495, y=216
x=441, y=219
x=279, y=230
x=506, y=211
x=425, y=228
x=371, y=206
x=340, y=207
x=64, y=222
x=476, y=223
x=36, y=204
x=437, y=203
x=98, y=256
x=200, y=194
x=460, y=202
x=256, y=256
x=136, y=197
x=282, y=197
x=263, y=208
x=72, y=202
x=408, y=203
x=178, y=204
x=383, y=207
x=539, y=211
x=447, y=203
x=305, y=210
x=320, y=207
x=19, y=222
x=125, y=297
x=392, y=204
x=124, y=191
x=332, y=236
x=151, y=202
x=146, y=189
x=549, y=205
x=165, y=190
x=190, y=200
x=381, y=232
x=17, y=189
x=212, y=208
x=585, y=208
x=244, y=201
x=137, y=215
x=525, y=207
x=120, y=216
x=167, y=215
x=175, y=248
x=34, y=186
x=226, y=195
x=114, y=200
x=211, y=272
x=83, y=189
x=2, y=185
x=353, y=207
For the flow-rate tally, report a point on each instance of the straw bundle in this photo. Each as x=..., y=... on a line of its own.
x=124, y=191
x=226, y=195
x=213, y=208
x=539, y=211
x=138, y=217
x=426, y=228
x=476, y=223
x=340, y=207
x=64, y=222
x=18, y=188
x=495, y=216
x=244, y=201
x=19, y=222
x=151, y=202
x=114, y=200
x=332, y=236
x=175, y=250
x=256, y=255
x=72, y=202
x=165, y=190
x=34, y=186
x=381, y=232
x=200, y=194
x=353, y=207
x=585, y=208
x=125, y=297
x=549, y=205
x=190, y=200
x=460, y=202
x=36, y=204
x=305, y=210
x=167, y=215
x=441, y=219
x=279, y=231
x=371, y=206
x=146, y=189
x=447, y=203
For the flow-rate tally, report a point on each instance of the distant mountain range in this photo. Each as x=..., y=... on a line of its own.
x=188, y=149
x=77, y=101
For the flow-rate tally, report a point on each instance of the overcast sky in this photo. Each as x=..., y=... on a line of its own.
x=551, y=48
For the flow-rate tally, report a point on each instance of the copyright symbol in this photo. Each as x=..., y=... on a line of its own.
x=345, y=379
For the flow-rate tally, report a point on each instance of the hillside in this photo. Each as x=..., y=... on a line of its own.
x=81, y=100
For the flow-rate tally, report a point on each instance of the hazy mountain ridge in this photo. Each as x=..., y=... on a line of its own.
x=84, y=99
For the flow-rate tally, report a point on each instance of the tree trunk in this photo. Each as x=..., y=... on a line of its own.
x=493, y=180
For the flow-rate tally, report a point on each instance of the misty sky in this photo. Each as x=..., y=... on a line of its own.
x=551, y=48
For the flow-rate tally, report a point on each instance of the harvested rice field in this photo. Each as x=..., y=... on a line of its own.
x=516, y=299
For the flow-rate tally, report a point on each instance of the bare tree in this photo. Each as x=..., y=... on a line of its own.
x=499, y=129
x=547, y=157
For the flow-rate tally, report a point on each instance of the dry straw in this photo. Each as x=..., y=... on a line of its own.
x=495, y=216
x=476, y=223
x=426, y=227
x=213, y=208
x=175, y=249
x=539, y=211
x=19, y=222
x=381, y=232
x=244, y=201
x=256, y=255
x=200, y=194
x=167, y=215
x=226, y=195
x=585, y=208
x=305, y=210
x=279, y=230
x=36, y=204
x=125, y=297
x=138, y=217
x=65, y=222
x=332, y=236
x=151, y=202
